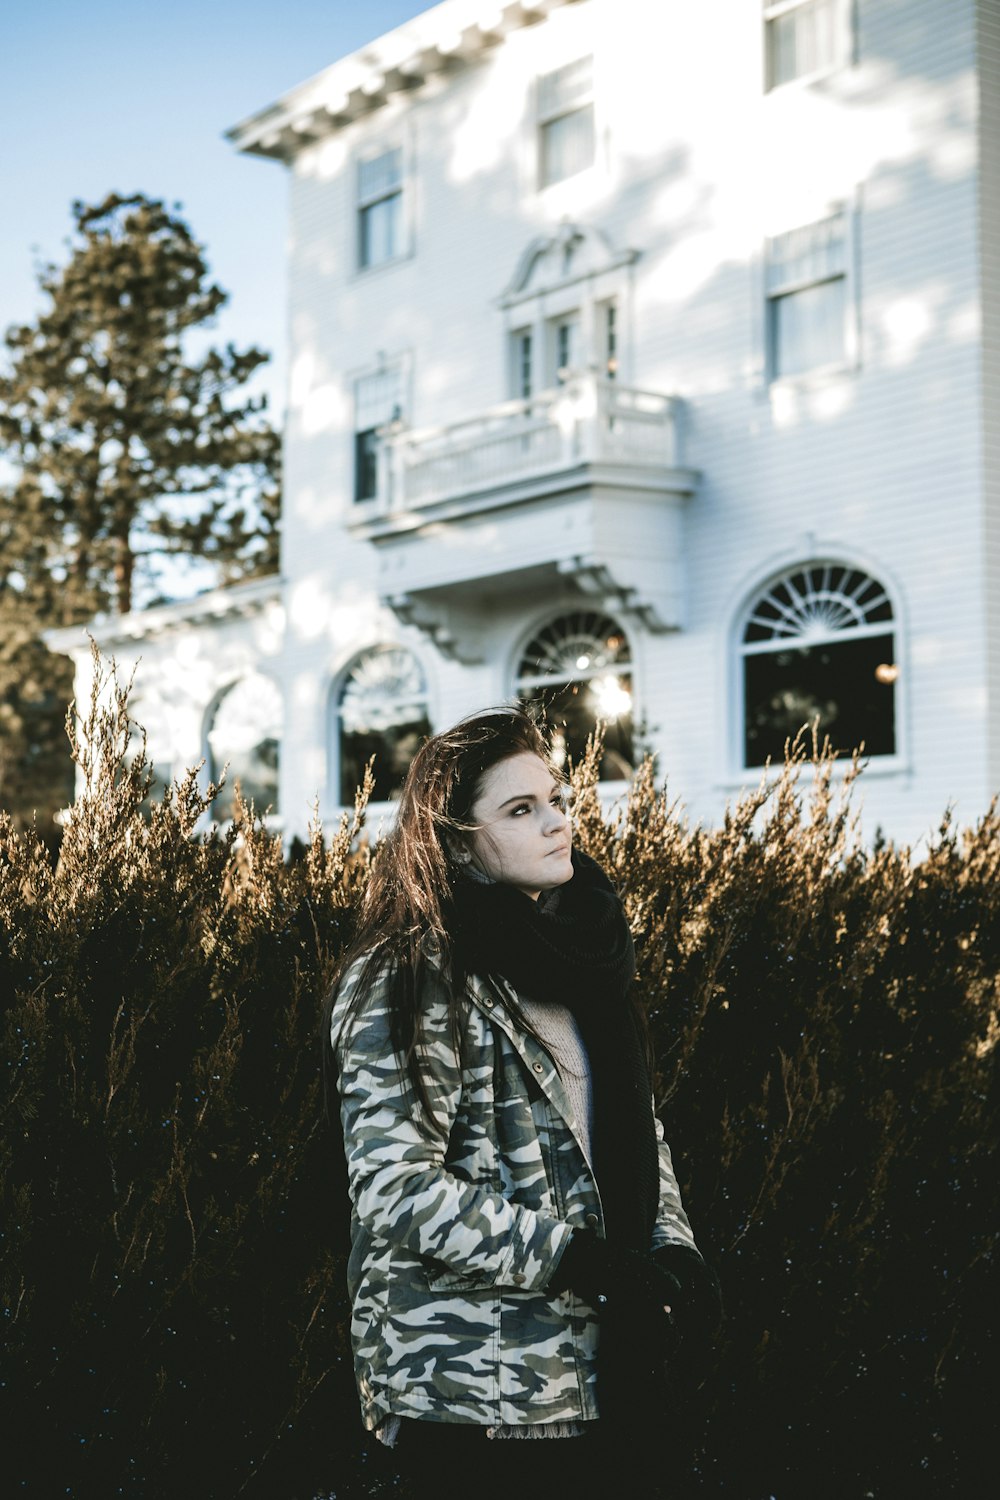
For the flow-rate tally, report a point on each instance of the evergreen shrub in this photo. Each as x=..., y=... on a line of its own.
x=826, y=1020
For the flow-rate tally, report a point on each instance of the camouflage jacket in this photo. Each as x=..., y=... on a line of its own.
x=459, y=1218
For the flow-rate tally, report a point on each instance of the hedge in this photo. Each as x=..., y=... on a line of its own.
x=826, y=1020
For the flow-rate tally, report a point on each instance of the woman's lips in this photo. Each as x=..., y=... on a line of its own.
x=563, y=849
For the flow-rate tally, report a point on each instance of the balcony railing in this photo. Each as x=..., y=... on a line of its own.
x=586, y=421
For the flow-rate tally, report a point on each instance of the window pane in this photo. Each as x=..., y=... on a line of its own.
x=564, y=346
x=246, y=732
x=522, y=364
x=380, y=226
x=584, y=653
x=848, y=684
x=802, y=41
x=610, y=340
x=822, y=596
x=382, y=713
x=568, y=713
x=393, y=747
x=567, y=145
x=366, y=464
x=571, y=645
x=808, y=328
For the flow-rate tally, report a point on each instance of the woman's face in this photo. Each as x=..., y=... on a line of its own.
x=523, y=833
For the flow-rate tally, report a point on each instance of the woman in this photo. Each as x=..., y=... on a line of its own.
x=521, y=1265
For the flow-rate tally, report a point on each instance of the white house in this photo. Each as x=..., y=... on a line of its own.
x=644, y=359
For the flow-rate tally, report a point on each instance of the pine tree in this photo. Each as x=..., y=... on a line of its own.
x=127, y=444
x=125, y=447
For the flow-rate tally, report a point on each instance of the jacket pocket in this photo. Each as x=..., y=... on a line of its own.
x=442, y=1277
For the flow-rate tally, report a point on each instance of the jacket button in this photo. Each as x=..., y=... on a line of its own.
x=591, y=1221
x=539, y=1068
x=519, y=1278
x=488, y=1003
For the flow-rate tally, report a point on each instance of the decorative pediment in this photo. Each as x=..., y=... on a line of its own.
x=575, y=252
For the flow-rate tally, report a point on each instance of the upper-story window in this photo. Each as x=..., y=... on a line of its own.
x=567, y=310
x=608, y=312
x=381, y=713
x=818, y=647
x=245, y=734
x=565, y=346
x=804, y=38
x=566, y=139
x=576, y=670
x=378, y=400
x=808, y=301
x=522, y=364
x=380, y=208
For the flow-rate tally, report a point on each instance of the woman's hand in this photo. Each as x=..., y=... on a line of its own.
x=625, y=1286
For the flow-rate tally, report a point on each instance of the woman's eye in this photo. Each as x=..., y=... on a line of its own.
x=522, y=807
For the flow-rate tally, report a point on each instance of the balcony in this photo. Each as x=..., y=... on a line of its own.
x=581, y=486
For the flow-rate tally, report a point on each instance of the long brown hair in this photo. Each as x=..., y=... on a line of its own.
x=408, y=906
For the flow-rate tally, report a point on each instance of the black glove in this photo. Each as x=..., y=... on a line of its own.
x=698, y=1315
x=631, y=1292
x=698, y=1310
x=625, y=1287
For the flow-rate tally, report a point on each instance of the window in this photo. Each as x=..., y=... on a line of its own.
x=381, y=712
x=567, y=307
x=803, y=38
x=565, y=351
x=819, y=646
x=807, y=298
x=246, y=732
x=380, y=208
x=522, y=364
x=378, y=400
x=575, y=670
x=609, y=323
x=565, y=121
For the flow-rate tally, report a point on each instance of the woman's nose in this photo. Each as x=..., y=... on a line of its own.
x=557, y=821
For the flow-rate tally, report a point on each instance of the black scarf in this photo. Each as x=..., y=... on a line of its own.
x=577, y=951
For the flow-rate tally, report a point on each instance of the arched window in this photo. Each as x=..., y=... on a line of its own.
x=246, y=731
x=575, y=670
x=819, y=644
x=382, y=711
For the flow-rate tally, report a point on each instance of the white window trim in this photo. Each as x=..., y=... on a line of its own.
x=401, y=139
x=851, y=361
x=731, y=773
x=846, y=45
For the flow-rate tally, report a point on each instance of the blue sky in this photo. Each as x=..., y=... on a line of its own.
x=106, y=95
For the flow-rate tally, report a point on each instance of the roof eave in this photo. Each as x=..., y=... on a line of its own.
x=363, y=82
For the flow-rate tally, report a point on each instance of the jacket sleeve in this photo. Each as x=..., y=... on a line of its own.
x=671, y=1227
x=400, y=1186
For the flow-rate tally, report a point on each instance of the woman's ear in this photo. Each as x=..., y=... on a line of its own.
x=458, y=852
